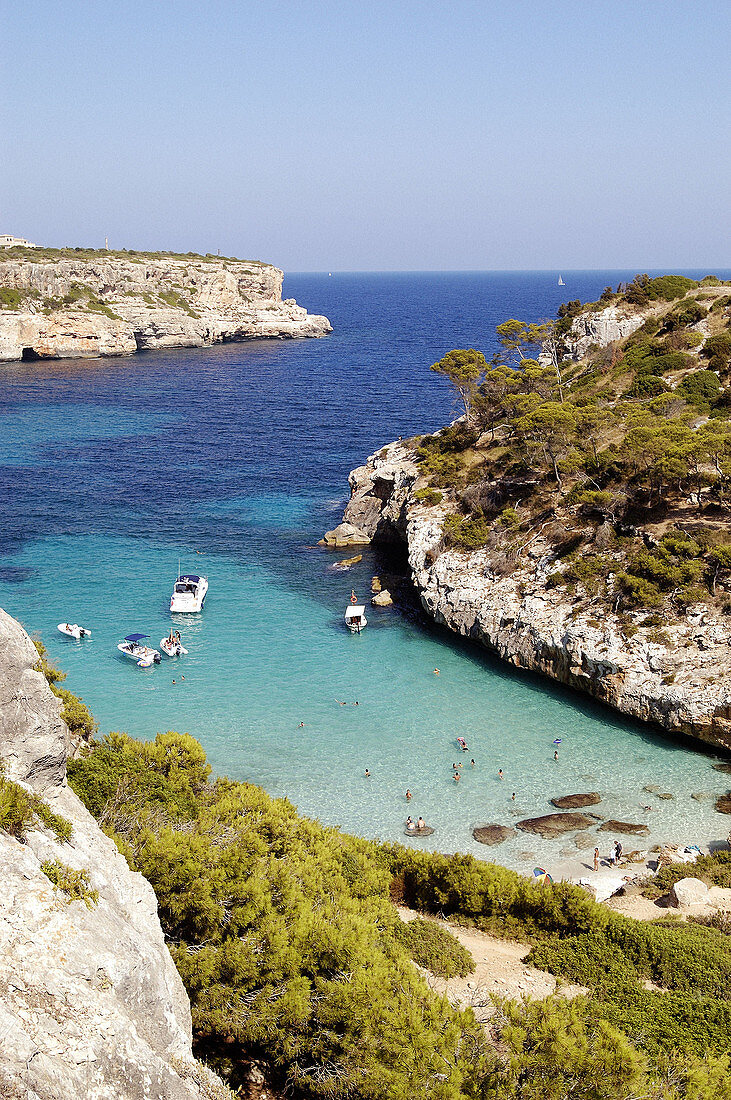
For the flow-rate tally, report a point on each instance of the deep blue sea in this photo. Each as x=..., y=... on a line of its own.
x=234, y=460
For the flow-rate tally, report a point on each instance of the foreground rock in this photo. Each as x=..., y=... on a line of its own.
x=91, y=1004
x=624, y=827
x=576, y=801
x=492, y=834
x=103, y=304
x=551, y=826
x=687, y=892
x=345, y=534
x=681, y=686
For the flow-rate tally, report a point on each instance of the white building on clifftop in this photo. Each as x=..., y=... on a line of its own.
x=8, y=241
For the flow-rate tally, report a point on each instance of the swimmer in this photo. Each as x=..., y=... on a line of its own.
x=512, y=797
x=173, y=681
x=555, y=754
x=472, y=763
x=456, y=777
x=301, y=726
x=342, y=702
x=182, y=677
x=367, y=774
x=436, y=671
x=500, y=773
x=410, y=823
x=421, y=824
x=356, y=703
x=408, y=795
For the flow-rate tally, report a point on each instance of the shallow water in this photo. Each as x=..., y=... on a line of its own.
x=235, y=459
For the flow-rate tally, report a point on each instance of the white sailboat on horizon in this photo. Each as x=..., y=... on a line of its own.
x=561, y=282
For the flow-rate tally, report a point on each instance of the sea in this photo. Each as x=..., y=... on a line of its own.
x=231, y=462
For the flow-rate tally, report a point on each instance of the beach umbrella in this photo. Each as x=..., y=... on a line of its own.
x=541, y=876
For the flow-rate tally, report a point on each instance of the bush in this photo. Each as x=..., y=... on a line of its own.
x=434, y=948
x=20, y=810
x=74, y=884
x=470, y=533
x=428, y=496
x=700, y=388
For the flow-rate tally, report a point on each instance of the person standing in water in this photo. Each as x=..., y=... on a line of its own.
x=500, y=773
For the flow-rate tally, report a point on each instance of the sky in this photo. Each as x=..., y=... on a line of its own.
x=372, y=135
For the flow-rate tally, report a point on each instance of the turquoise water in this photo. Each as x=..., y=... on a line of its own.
x=234, y=460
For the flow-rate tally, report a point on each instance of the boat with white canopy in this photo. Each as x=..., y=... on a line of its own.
x=355, y=618
x=189, y=592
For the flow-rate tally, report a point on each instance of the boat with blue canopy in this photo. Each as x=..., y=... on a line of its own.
x=144, y=655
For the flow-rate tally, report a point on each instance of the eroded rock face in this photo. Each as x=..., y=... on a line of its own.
x=155, y=302
x=682, y=687
x=601, y=328
x=91, y=1004
x=551, y=826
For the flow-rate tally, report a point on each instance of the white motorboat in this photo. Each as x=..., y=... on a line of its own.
x=172, y=646
x=189, y=592
x=144, y=655
x=73, y=630
x=355, y=618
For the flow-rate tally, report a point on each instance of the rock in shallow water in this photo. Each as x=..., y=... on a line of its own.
x=493, y=834
x=551, y=826
x=576, y=801
x=624, y=827
x=723, y=803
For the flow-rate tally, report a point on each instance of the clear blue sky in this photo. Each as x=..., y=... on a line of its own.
x=373, y=135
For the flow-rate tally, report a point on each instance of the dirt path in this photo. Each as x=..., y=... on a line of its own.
x=500, y=968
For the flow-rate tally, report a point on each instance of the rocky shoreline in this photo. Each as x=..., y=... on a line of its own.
x=683, y=687
x=60, y=307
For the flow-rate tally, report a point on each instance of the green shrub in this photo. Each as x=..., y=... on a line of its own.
x=21, y=810
x=466, y=533
x=74, y=884
x=434, y=948
x=428, y=496
x=700, y=388
x=75, y=712
x=11, y=297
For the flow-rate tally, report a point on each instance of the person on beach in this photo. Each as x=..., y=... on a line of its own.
x=596, y=859
x=618, y=849
x=408, y=796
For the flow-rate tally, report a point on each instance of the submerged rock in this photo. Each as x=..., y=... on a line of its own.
x=493, y=834
x=625, y=827
x=723, y=803
x=551, y=826
x=347, y=562
x=576, y=801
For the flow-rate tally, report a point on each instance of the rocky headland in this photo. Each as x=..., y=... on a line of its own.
x=66, y=303
x=91, y=1004
x=552, y=570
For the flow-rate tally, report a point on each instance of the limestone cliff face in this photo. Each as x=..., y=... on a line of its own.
x=111, y=305
x=600, y=328
x=91, y=1004
x=684, y=687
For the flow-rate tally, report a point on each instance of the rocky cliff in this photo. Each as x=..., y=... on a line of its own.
x=54, y=305
x=682, y=683
x=91, y=1004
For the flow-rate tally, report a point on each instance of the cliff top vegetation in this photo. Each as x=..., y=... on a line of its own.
x=49, y=255
x=620, y=461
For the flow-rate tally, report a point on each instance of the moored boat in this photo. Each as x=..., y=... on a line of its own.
x=189, y=593
x=172, y=646
x=73, y=630
x=355, y=618
x=144, y=655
